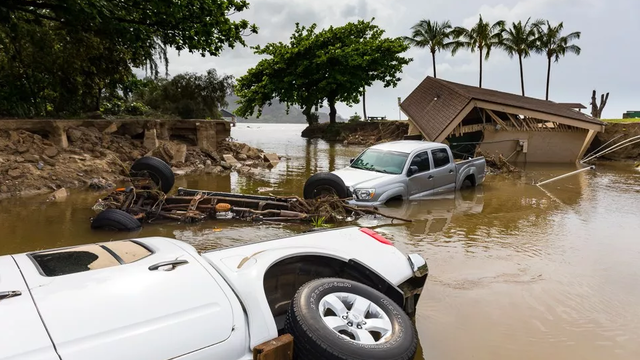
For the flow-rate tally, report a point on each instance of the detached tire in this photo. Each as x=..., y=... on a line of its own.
x=337, y=319
x=325, y=183
x=114, y=219
x=157, y=170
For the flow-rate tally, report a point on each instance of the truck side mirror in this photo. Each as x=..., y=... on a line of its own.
x=412, y=171
x=351, y=160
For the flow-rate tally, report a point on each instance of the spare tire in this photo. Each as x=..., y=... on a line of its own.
x=338, y=319
x=115, y=219
x=157, y=170
x=325, y=183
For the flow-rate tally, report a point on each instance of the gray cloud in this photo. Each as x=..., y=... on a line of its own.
x=608, y=61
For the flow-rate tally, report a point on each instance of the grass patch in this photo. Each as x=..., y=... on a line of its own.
x=622, y=121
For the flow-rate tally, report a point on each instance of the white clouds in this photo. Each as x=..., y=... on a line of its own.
x=608, y=61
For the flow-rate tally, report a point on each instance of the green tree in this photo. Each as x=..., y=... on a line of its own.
x=188, y=95
x=60, y=57
x=555, y=46
x=330, y=66
x=200, y=26
x=433, y=35
x=522, y=39
x=483, y=37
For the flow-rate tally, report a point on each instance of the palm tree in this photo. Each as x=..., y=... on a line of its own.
x=483, y=36
x=433, y=35
x=556, y=46
x=522, y=39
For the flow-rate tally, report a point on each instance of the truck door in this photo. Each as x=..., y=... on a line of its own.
x=127, y=300
x=444, y=171
x=22, y=334
x=420, y=183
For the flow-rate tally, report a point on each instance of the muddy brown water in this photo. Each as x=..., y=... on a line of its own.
x=517, y=272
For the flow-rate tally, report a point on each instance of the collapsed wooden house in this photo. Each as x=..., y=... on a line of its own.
x=522, y=129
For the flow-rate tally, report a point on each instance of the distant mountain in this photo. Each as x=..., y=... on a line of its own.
x=277, y=113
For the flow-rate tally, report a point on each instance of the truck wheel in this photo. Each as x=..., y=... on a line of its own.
x=157, y=170
x=338, y=319
x=115, y=219
x=325, y=183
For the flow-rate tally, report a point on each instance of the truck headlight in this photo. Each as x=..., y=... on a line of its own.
x=365, y=194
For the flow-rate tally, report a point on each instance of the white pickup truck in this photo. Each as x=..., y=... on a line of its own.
x=343, y=294
x=398, y=170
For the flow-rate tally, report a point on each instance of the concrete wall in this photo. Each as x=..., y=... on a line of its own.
x=204, y=133
x=542, y=147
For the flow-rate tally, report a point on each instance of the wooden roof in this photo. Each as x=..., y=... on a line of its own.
x=435, y=103
x=226, y=113
x=574, y=105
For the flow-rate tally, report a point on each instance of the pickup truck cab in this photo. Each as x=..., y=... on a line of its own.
x=158, y=298
x=405, y=169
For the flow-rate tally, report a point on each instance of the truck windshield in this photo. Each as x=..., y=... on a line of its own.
x=388, y=162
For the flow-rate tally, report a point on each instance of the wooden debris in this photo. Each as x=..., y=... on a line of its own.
x=190, y=206
x=280, y=348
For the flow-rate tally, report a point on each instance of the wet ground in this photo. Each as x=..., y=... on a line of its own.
x=517, y=272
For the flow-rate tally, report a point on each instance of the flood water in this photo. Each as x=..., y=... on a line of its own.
x=517, y=272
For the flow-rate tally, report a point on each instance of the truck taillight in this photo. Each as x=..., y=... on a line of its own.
x=376, y=236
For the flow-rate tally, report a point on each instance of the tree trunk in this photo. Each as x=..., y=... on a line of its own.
x=596, y=110
x=521, y=74
x=332, y=111
x=306, y=111
x=548, y=75
x=364, y=103
x=480, y=84
x=97, y=105
x=433, y=58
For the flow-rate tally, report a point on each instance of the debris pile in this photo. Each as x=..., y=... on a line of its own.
x=497, y=164
x=31, y=164
x=190, y=206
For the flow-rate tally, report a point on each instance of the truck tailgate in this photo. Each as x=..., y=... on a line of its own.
x=22, y=334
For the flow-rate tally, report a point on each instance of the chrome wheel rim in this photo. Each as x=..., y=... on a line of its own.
x=355, y=318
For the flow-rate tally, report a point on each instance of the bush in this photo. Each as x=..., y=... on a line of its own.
x=113, y=107
x=136, y=109
x=355, y=118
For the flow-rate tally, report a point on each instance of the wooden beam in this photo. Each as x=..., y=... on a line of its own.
x=461, y=115
x=513, y=120
x=496, y=118
x=585, y=145
x=540, y=115
x=280, y=348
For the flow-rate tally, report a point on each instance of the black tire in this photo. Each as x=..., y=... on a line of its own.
x=314, y=340
x=114, y=219
x=159, y=172
x=322, y=183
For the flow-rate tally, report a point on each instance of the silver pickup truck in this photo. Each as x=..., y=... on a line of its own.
x=405, y=169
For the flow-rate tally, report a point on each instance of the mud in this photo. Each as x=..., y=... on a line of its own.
x=31, y=164
x=619, y=132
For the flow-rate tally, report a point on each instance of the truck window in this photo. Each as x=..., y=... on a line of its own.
x=440, y=158
x=421, y=160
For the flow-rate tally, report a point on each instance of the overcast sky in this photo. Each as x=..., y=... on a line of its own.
x=610, y=42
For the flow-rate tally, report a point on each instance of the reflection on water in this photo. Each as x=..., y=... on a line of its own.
x=517, y=271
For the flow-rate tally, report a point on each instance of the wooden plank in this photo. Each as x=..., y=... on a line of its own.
x=560, y=119
x=280, y=348
x=496, y=118
x=513, y=120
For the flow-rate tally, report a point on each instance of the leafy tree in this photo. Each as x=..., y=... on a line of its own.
x=200, y=26
x=554, y=45
x=60, y=57
x=522, y=39
x=188, y=95
x=433, y=35
x=483, y=37
x=332, y=65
